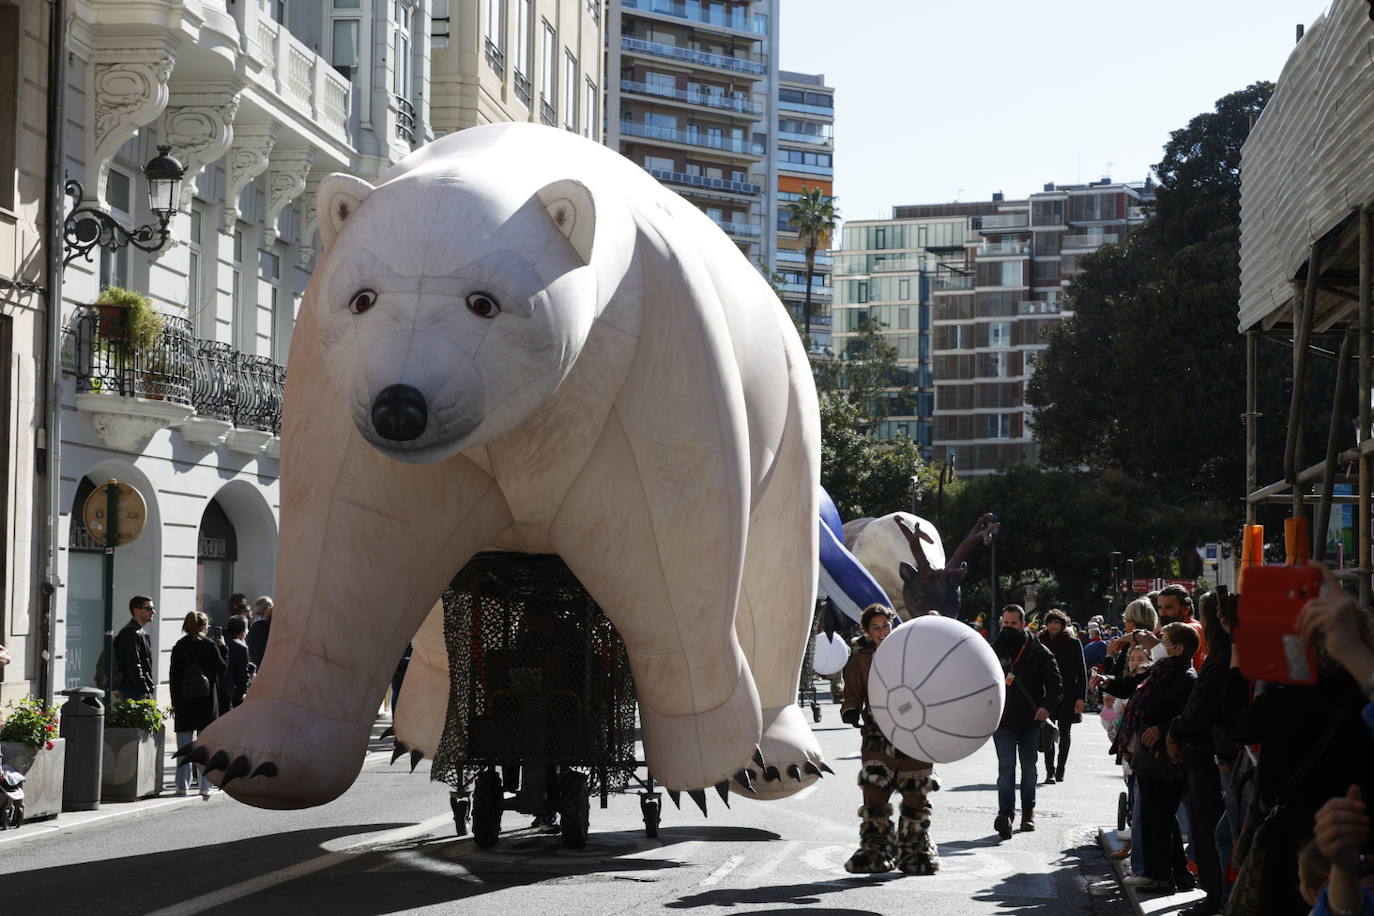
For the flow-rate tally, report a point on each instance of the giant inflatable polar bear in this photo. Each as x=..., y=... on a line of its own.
x=519, y=340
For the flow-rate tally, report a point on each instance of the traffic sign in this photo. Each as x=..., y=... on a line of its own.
x=132, y=514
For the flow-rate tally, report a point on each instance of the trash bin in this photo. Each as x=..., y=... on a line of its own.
x=83, y=725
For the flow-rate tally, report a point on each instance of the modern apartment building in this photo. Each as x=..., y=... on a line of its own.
x=693, y=99
x=968, y=290
x=259, y=99
x=804, y=150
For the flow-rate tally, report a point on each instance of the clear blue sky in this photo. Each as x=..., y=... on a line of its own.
x=951, y=100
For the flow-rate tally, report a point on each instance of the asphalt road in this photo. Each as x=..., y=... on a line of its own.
x=388, y=846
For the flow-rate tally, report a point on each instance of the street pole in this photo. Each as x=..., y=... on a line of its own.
x=992, y=568
x=111, y=537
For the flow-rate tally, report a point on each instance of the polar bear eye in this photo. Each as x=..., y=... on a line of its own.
x=483, y=305
x=362, y=300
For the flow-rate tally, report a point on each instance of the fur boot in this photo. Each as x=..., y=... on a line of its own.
x=876, y=841
x=916, y=854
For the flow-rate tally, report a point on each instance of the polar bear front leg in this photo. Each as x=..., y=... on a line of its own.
x=422, y=708
x=664, y=563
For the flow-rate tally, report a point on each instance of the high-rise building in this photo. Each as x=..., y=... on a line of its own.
x=966, y=291
x=805, y=155
x=692, y=98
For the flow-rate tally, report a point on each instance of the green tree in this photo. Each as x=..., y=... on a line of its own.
x=813, y=215
x=1147, y=376
x=864, y=476
x=865, y=373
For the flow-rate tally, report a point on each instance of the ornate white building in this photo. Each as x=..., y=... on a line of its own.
x=259, y=99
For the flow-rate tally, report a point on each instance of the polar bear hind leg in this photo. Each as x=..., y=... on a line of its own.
x=422, y=708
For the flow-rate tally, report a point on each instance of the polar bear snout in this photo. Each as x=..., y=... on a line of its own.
x=400, y=413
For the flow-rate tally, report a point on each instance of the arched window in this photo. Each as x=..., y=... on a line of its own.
x=217, y=550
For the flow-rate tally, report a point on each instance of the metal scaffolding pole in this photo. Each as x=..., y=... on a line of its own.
x=1251, y=420
x=1366, y=321
x=1302, y=336
x=1333, y=446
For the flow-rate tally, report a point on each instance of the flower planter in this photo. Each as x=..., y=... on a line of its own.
x=43, y=771
x=132, y=764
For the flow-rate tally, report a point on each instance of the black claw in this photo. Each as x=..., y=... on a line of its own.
x=723, y=790
x=676, y=797
x=745, y=780
x=268, y=769
x=389, y=733
x=182, y=751
x=699, y=796
x=812, y=769
x=771, y=774
x=415, y=758
x=239, y=767
x=398, y=751
x=794, y=771
x=826, y=768
x=758, y=757
x=218, y=762
x=199, y=754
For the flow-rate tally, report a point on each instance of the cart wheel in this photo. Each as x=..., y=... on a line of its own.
x=816, y=711
x=574, y=808
x=462, y=807
x=486, y=808
x=1123, y=810
x=649, y=807
x=16, y=815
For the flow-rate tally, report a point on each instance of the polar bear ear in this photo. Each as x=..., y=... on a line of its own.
x=570, y=207
x=339, y=197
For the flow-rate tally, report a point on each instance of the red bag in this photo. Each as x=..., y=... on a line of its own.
x=1266, y=634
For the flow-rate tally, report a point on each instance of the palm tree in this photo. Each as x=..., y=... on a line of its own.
x=813, y=215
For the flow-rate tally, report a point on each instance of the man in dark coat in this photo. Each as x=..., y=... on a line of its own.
x=1068, y=654
x=258, y=632
x=1034, y=687
x=134, y=652
x=241, y=668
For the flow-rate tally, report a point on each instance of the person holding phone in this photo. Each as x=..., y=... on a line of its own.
x=194, y=656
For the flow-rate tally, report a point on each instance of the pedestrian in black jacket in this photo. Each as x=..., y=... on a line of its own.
x=194, y=655
x=1154, y=703
x=1033, y=689
x=241, y=667
x=1068, y=654
x=1190, y=742
x=259, y=630
x=133, y=651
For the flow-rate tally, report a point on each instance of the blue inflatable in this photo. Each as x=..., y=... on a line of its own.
x=843, y=579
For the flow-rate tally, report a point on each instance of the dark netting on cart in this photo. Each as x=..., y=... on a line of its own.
x=538, y=675
x=806, y=684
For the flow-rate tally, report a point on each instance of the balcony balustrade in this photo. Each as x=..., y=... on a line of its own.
x=996, y=249
x=496, y=58
x=749, y=65
x=793, y=136
x=705, y=181
x=1090, y=241
x=1005, y=220
x=522, y=87
x=547, y=113
x=1037, y=308
x=694, y=12
x=302, y=78
x=948, y=283
x=740, y=103
x=692, y=138
x=405, y=119
x=738, y=227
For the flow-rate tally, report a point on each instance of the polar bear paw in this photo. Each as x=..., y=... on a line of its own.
x=274, y=754
x=787, y=759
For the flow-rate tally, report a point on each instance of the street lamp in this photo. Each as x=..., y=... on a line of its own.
x=946, y=474
x=87, y=228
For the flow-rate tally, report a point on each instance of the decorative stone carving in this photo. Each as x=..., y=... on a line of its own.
x=248, y=441
x=309, y=221
x=199, y=126
x=248, y=158
x=126, y=424
x=285, y=181
x=200, y=430
x=128, y=91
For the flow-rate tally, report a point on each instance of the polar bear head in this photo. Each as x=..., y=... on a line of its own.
x=451, y=306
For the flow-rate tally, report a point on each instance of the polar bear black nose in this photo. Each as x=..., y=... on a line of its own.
x=399, y=413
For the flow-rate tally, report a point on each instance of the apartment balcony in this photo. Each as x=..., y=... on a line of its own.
x=939, y=284
x=1037, y=308
x=693, y=138
x=1089, y=242
x=547, y=114
x=1135, y=213
x=739, y=103
x=738, y=228
x=1005, y=221
x=896, y=265
x=827, y=170
x=496, y=58
x=799, y=257
x=751, y=65
x=693, y=12
x=822, y=293
x=815, y=139
x=522, y=88
x=405, y=119
x=212, y=392
x=1003, y=249
x=300, y=77
x=706, y=182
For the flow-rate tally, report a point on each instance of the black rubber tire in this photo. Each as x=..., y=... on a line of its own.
x=462, y=808
x=815, y=712
x=16, y=815
x=574, y=808
x=487, y=800
x=1123, y=810
x=649, y=807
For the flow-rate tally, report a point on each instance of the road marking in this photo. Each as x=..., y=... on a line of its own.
x=81, y=819
x=721, y=873
x=789, y=849
x=273, y=879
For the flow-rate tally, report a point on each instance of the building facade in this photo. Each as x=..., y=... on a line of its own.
x=259, y=99
x=804, y=149
x=966, y=292
x=693, y=99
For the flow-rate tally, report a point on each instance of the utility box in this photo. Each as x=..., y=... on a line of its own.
x=83, y=725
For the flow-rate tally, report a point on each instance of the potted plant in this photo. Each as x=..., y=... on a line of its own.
x=134, y=739
x=128, y=321
x=29, y=742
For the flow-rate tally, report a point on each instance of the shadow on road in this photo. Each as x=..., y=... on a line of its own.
x=1075, y=868
x=788, y=896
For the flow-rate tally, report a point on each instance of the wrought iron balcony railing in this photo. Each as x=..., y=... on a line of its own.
x=108, y=361
x=405, y=120
x=258, y=386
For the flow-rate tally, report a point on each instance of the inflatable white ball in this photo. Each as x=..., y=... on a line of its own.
x=936, y=689
x=831, y=655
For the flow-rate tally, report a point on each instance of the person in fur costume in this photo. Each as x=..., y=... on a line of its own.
x=884, y=769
